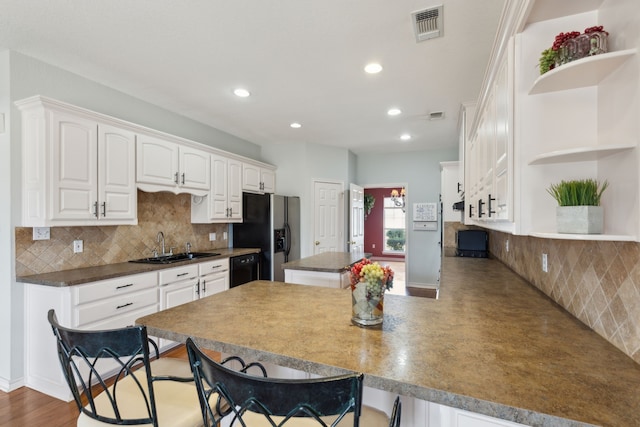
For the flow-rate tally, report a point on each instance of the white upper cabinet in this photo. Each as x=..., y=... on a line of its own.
x=77, y=170
x=576, y=121
x=257, y=179
x=80, y=167
x=488, y=161
x=223, y=203
x=167, y=166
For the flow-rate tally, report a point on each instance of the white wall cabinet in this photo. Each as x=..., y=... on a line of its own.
x=449, y=194
x=105, y=304
x=77, y=169
x=489, y=154
x=258, y=179
x=224, y=200
x=168, y=166
x=576, y=121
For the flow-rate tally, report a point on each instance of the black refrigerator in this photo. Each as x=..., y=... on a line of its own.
x=271, y=223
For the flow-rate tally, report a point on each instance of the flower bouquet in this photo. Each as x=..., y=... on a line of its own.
x=369, y=280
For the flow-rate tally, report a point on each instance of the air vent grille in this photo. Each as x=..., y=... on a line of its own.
x=427, y=23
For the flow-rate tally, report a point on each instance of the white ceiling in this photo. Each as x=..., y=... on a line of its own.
x=302, y=60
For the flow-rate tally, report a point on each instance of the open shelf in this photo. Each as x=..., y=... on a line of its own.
x=583, y=72
x=580, y=154
x=607, y=237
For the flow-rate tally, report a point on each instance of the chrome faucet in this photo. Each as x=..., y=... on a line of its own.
x=188, y=247
x=160, y=237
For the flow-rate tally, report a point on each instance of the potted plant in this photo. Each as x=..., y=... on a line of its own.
x=579, y=209
x=369, y=200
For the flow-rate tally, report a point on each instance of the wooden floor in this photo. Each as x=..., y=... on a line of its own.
x=26, y=407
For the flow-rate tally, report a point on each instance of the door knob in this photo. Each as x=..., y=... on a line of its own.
x=317, y=242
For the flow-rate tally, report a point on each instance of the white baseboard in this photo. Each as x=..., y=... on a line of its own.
x=8, y=386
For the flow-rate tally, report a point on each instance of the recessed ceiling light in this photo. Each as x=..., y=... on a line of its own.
x=394, y=111
x=295, y=125
x=242, y=93
x=373, y=68
x=405, y=137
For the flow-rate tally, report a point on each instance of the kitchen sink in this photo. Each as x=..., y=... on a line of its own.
x=170, y=259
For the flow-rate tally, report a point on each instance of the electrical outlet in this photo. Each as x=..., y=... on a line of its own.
x=77, y=246
x=212, y=237
x=373, y=246
x=506, y=245
x=545, y=265
x=224, y=235
x=41, y=233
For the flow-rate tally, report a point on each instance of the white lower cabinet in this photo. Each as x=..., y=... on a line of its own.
x=214, y=277
x=105, y=304
x=317, y=278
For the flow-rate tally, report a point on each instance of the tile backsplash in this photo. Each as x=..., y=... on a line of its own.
x=161, y=211
x=596, y=281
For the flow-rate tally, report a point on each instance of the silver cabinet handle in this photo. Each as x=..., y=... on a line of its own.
x=175, y=177
x=124, y=286
x=104, y=209
x=181, y=274
x=182, y=178
x=95, y=209
x=124, y=305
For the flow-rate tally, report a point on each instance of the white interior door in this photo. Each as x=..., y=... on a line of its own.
x=356, y=218
x=328, y=216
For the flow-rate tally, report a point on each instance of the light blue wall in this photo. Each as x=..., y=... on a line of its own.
x=32, y=77
x=299, y=164
x=420, y=171
x=22, y=77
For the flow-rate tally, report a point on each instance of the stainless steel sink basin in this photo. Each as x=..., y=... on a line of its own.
x=170, y=259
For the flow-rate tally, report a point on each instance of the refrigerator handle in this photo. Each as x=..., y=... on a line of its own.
x=287, y=247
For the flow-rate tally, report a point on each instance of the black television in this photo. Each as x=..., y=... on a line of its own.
x=472, y=243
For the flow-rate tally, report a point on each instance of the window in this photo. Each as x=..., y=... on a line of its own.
x=393, y=227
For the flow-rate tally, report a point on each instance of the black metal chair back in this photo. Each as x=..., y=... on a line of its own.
x=83, y=354
x=275, y=402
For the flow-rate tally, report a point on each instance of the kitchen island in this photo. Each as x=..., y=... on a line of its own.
x=330, y=269
x=491, y=344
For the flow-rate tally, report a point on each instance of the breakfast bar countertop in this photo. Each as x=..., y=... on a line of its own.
x=491, y=344
x=331, y=262
x=78, y=276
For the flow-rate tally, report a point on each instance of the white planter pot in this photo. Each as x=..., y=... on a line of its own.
x=580, y=219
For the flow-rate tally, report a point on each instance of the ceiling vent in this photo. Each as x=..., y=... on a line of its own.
x=436, y=115
x=427, y=23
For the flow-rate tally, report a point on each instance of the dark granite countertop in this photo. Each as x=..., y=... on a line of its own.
x=491, y=344
x=332, y=262
x=79, y=276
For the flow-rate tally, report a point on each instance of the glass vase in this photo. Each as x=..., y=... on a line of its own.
x=367, y=304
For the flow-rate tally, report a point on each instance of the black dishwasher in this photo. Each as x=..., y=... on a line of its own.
x=244, y=268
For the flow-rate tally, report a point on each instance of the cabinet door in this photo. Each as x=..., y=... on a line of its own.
x=117, y=194
x=178, y=293
x=234, y=190
x=195, y=168
x=251, y=178
x=157, y=161
x=74, y=164
x=214, y=283
x=268, y=180
x=219, y=185
x=503, y=106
